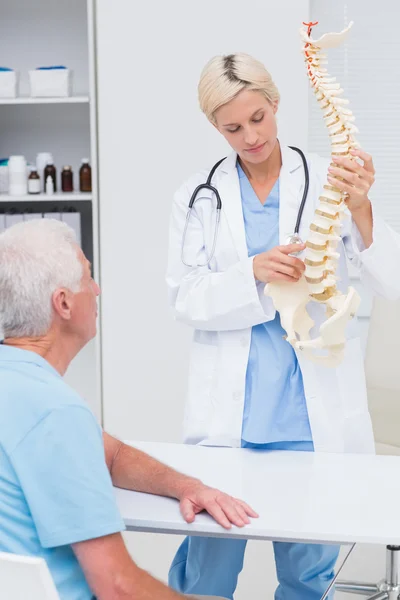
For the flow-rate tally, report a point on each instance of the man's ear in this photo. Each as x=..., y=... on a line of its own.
x=62, y=301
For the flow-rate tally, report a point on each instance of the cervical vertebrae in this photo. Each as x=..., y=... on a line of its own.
x=320, y=256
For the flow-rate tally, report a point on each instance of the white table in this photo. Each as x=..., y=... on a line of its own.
x=300, y=496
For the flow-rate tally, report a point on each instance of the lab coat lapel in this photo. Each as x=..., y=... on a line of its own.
x=229, y=189
x=291, y=186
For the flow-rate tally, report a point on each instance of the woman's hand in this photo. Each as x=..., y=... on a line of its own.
x=277, y=265
x=356, y=179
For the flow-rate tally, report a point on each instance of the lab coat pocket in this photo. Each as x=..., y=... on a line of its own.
x=351, y=379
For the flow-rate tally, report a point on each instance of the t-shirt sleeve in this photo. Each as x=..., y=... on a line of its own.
x=62, y=471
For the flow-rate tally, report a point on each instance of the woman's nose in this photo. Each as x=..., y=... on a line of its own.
x=251, y=137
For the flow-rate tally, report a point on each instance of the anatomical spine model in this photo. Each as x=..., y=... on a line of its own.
x=318, y=283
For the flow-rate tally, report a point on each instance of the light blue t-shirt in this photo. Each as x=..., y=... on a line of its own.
x=275, y=408
x=55, y=488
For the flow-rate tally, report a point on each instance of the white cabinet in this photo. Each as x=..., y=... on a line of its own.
x=48, y=33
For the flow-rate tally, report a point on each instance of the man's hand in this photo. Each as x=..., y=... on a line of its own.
x=132, y=469
x=223, y=508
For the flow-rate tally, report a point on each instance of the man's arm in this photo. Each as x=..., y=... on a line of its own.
x=113, y=575
x=134, y=470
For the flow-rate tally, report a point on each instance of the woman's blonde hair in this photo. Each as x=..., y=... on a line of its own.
x=224, y=77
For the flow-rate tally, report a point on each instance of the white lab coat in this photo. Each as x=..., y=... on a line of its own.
x=222, y=302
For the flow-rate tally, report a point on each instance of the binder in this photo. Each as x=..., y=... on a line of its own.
x=73, y=219
x=32, y=216
x=52, y=215
x=12, y=219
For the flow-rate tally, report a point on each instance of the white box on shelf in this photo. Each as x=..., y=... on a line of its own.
x=3, y=179
x=8, y=84
x=50, y=83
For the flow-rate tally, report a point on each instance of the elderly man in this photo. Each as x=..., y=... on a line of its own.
x=56, y=465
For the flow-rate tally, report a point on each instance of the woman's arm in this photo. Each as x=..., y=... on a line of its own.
x=371, y=245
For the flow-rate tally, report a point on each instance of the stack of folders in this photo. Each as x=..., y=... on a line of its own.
x=73, y=219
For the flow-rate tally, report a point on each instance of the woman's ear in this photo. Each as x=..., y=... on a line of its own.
x=275, y=106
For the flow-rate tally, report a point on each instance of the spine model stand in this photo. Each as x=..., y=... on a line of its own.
x=318, y=283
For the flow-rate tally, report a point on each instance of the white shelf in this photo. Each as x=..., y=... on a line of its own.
x=63, y=196
x=28, y=100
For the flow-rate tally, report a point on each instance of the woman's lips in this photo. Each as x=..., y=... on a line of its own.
x=256, y=149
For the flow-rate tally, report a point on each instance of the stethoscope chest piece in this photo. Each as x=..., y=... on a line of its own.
x=294, y=239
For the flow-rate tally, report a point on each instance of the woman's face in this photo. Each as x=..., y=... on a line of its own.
x=249, y=126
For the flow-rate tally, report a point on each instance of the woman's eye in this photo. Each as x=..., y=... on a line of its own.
x=259, y=119
x=234, y=130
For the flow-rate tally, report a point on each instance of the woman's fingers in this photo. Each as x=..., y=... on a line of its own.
x=364, y=171
x=367, y=158
x=282, y=258
x=351, y=178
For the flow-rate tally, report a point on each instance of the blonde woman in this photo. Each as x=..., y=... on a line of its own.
x=247, y=387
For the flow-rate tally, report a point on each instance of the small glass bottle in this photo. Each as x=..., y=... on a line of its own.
x=49, y=185
x=85, y=176
x=67, y=179
x=34, y=186
x=41, y=161
x=50, y=171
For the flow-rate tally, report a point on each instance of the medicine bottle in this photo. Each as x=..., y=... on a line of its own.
x=34, y=186
x=67, y=179
x=50, y=171
x=85, y=176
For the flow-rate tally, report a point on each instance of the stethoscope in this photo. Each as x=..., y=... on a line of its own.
x=294, y=238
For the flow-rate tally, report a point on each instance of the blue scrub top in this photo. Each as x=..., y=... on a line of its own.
x=275, y=408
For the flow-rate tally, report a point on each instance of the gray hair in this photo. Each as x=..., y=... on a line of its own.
x=36, y=258
x=224, y=77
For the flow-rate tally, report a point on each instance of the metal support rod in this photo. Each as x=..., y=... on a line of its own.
x=392, y=565
x=363, y=589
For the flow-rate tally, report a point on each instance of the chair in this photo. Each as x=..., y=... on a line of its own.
x=382, y=366
x=25, y=578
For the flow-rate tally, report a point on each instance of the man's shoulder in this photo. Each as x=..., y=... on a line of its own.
x=29, y=396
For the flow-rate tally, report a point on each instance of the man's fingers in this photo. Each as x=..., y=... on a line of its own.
x=248, y=509
x=218, y=514
x=232, y=511
x=187, y=510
